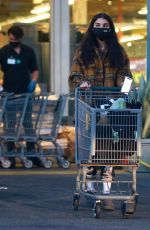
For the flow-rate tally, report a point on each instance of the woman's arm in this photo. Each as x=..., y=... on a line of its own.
x=76, y=73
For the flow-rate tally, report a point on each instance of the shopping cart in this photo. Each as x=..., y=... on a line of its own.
x=3, y=100
x=31, y=120
x=12, y=124
x=47, y=112
x=107, y=137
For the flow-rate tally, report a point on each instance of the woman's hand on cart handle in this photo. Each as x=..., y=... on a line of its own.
x=85, y=85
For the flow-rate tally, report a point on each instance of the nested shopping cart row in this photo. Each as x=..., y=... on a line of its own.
x=31, y=120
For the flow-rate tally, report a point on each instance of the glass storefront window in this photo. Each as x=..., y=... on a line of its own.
x=130, y=23
x=33, y=16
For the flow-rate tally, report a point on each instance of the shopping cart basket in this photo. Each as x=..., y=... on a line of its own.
x=12, y=124
x=3, y=100
x=106, y=137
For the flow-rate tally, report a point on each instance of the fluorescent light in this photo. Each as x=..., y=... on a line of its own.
x=9, y=22
x=131, y=38
x=41, y=9
x=71, y=2
x=143, y=10
x=37, y=1
x=36, y=18
x=25, y=19
x=125, y=28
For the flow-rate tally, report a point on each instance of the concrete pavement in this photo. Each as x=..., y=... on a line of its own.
x=41, y=199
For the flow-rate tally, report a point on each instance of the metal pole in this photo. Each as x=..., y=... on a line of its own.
x=60, y=46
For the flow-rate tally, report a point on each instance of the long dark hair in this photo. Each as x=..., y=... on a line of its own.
x=90, y=42
x=17, y=31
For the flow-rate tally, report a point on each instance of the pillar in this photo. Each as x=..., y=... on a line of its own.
x=59, y=46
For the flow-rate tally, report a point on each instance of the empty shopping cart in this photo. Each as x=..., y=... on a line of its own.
x=47, y=113
x=12, y=125
x=3, y=100
x=31, y=120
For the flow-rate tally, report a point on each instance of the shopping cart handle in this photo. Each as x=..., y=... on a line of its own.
x=110, y=89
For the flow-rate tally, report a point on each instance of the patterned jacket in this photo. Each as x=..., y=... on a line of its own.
x=98, y=73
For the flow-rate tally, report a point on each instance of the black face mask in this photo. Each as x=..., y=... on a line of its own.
x=102, y=33
x=14, y=44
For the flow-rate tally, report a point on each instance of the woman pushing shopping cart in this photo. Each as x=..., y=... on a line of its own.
x=102, y=137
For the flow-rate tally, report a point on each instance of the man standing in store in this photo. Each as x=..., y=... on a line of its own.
x=20, y=73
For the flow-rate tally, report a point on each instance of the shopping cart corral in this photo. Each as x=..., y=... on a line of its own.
x=108, y=133
x=29, y=118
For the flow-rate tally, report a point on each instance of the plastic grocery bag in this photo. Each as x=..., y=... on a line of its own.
x=118, y=104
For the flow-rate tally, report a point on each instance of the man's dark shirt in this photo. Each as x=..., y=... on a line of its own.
x=17, y=68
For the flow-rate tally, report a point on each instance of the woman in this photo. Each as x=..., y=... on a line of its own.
x=100, y=61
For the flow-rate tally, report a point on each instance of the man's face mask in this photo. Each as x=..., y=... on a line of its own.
x=102, y=33
x=14, y=44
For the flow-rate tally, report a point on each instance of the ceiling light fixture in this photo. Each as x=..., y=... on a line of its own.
x=71, y=2
x=25, y=19
x=143, y=10
x=131, y=38
x=124, y=28
x=41, y=9
x=36, y=18
x=109, y=3
x=37, y=1
x=9, y=22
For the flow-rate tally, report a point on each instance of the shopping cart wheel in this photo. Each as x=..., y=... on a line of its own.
x=76, y=202
x=128, y=208
x=65, y=164
x=97, y=209
x=28, y=164
x=6, y=164
x=47, y=164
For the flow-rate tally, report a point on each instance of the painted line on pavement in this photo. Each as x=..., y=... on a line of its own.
x=145, y=164
x=17, y=172
x=37, y=172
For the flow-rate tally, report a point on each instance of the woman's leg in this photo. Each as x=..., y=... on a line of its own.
x=107, y=177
